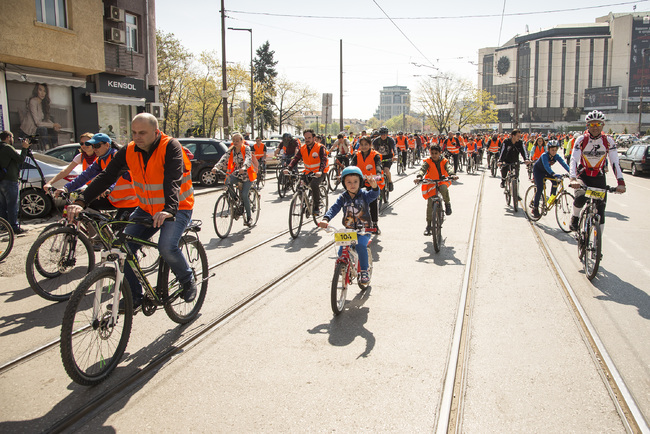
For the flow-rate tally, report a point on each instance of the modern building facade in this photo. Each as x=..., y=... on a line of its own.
x=69, y=67
x=550, y=79
x=393, y=101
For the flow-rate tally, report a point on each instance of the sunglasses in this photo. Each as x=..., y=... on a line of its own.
x=85, y=144
x=595, y=124
x=97, y=145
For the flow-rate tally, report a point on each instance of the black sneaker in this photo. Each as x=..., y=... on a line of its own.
x=427, y=231
x=574, y=224
x=536, y=214
x=447, y=208
x=390, y=186
x=20, y=231
x=137, y=302
x=364, y=278
x=189, y=291
x=503, y=183
x=376, y=226
x=248, y=222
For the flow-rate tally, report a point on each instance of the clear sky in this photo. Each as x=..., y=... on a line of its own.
x=439, y=34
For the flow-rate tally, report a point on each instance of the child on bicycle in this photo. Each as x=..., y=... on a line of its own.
x=542, y=169
x=435, y=168
x=355, y=203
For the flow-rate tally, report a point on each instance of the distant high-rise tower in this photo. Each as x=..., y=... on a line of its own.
x=393, y=101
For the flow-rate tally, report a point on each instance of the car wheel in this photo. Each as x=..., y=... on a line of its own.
x=634, y=170
x=207, y=178
x=34, y=203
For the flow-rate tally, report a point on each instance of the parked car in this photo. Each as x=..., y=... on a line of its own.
x=64, y=152
x=34, y=202
x=207, y=153
x=626, y=139
x=271, y=146
x=636, y=159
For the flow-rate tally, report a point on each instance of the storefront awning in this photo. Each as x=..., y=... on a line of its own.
x=47, y=79
x=117, y=99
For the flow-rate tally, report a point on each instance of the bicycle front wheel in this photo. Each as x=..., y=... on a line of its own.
x=333, y=177
x=340, y=283
x=507, y=192
x=564, y=210
x=324, y=202
x=493, y=167
x=296, y=213
x=93, y=340
x=222, y=216
x=591, y=258
x=254, y=198
x=6, y=238
x=281, y=183
x=515, y=194
x=177, y=309
x=529, y=203
x=58, y=261
x=436, y=226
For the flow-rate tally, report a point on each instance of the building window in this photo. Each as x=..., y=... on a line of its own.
x=131, y=32
x=52, y=12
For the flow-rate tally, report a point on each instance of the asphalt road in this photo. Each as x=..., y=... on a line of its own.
x=286, y=364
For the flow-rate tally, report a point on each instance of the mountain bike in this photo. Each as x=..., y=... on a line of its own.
x=6, y=238
x=95, y=332
x=471, y=163
x=511, y=189
x=493, y=163
x=401, y=163
x=261, y=175
x=347, y=268
x=285, y=183
x=562, y=202
x=334, y=174
x=382, y=200
x=410, y=156
x=437, y=213
x=589, y=235
x=230, y=206
x=302, y=204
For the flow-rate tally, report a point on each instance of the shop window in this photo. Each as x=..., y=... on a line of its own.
x=131, y=32
x=52, y=12
x=42, y=110
x=115, y=121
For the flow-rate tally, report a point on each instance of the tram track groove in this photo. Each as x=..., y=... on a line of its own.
x=104, y=400
x=626, y=406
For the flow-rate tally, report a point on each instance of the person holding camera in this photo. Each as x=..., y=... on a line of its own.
x=10, y=163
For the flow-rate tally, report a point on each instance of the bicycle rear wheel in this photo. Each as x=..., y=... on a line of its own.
x=493, y=167
x=58, y=261
x=507, y=193
x=340, y=283
x=6, y=238
x=564, y=210
x=177, y=309
x=333, y=177
x=92, y=342
x=592, y=242
x=254, y=198
x=436, y=229
x=222, y=217
x=529, y=201
x=296, y=214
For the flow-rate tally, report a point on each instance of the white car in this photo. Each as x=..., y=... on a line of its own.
x=34, y=202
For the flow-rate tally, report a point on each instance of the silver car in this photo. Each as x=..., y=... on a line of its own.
x=34, y=202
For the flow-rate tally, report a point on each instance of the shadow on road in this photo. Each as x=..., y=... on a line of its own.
x=617, y=216
x=343, y=329
x=446, y=256
x=306, y=240
x=616, y=290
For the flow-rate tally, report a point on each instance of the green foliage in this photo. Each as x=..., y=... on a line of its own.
x=264, y=76
x=625, y=130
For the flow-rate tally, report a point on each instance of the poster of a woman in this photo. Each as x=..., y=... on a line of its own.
x=37, y=119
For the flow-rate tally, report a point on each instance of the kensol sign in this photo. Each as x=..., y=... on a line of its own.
x=121, y=85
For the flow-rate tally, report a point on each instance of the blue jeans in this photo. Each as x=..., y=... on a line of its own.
x=362, y=250
x=538, y=177
x=9, y=202
x=170, y=234
x=234, y=181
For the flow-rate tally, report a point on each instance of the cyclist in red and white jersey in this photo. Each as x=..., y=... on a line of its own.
x=588, y=163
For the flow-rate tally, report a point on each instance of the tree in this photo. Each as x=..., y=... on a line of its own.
x=476, y=109
x=439, y=96
x=291, y=99
x=174, y=62
x=373, y=124
x=396, y=123
x=264, y=77
x=206, y=94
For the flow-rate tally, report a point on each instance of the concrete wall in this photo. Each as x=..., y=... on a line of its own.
x=78, y=49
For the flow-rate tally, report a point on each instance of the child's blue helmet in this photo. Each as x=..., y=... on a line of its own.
x=352, y=170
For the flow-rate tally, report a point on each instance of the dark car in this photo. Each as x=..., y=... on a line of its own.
x=207, y=153
x=636, y=159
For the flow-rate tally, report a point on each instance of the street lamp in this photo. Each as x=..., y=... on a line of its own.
x=252, y=102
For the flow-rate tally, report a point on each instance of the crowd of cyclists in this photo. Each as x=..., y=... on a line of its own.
x=151, y=177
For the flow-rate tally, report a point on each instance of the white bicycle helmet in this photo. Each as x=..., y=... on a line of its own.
x=595, y=116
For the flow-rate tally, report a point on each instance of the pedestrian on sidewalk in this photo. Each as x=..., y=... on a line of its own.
x=10, y=163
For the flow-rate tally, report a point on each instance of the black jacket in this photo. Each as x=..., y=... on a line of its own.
x=510, y=151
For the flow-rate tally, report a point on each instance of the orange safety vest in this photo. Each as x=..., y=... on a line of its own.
x=411, y=143
x=368, y=167
x=258, y=151
x=123, y=194
x=311, y=160
x=471, y=146
x=85, y=165
x=452, y=147
x=537, y=152
x=148, y=181
x=494, y=145
x=429, y=190
x=401, y=142
x=252, y=175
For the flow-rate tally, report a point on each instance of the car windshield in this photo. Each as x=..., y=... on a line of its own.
x=49, y=159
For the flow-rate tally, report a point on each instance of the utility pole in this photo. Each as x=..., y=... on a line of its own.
x=341, y=108
x=224, y=89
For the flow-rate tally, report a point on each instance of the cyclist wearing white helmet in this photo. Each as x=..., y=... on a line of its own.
x=355, y=203
x=588, y=161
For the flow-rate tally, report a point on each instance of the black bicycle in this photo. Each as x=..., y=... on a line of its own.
x=437, y=213
x=286, y=183
x=302, y=204
x=95, y=332
x=230, y=206
x=511, y=185
x=6, y=238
